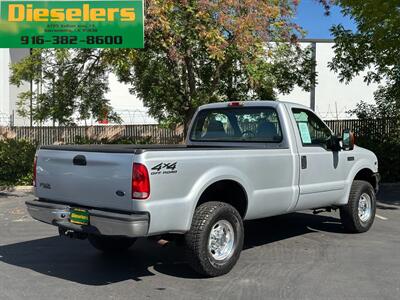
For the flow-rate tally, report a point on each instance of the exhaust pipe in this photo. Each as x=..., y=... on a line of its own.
x=64, y=232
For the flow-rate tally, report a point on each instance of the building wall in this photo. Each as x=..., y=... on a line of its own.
x=16, y=55
x=4, y=86
x=8, y=92
x=332, y=98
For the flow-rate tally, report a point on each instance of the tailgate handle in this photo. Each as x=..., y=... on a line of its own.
x=79, y=160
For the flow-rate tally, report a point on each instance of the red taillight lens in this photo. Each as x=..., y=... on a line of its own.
x=235, y=104
x=34, y=171
x=140, y=182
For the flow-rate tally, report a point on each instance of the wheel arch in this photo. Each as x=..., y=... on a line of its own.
x=366, y=174
x=361, y=172
x=228, y=191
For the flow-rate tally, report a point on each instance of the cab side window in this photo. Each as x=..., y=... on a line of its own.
x=312, y=130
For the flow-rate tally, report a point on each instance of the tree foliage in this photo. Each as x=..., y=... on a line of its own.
x=16, y=161
x=198, y=52
x=375, y=48
x=71, y=85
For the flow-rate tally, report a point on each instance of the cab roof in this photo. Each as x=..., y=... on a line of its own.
x=270, y=103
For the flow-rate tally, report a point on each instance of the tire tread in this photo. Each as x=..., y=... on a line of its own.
x=349, y=212
x=196, y=256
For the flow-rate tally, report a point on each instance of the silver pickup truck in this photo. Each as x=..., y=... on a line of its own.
x=241, y=161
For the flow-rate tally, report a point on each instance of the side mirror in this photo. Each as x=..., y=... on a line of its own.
x=347, y=140
x=333, y=143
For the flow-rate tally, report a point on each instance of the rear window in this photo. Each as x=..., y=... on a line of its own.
x=242, y=124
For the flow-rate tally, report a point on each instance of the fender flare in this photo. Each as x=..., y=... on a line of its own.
x=213, y=176
x=360, y=165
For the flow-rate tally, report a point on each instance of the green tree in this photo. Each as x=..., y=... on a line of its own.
x=197, y=52
x=71, y=85
x=375, y=48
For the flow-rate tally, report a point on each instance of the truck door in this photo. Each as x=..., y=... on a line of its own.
x=322, y=172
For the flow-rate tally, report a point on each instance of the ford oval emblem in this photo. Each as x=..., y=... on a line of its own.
x=120, y=193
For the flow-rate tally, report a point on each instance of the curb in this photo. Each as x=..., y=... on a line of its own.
x=21, y=188
x=390, y=184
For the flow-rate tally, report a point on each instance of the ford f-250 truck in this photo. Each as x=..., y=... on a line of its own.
x=241, y=161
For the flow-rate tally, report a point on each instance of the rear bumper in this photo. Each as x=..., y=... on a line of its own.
x=101, y=222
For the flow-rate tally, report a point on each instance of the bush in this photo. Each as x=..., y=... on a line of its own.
x=388, y=153
x=382, y=136
x=16, y=162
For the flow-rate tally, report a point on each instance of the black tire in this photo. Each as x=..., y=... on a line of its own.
x=205, y=218
x=349, y=213
x=110, y=244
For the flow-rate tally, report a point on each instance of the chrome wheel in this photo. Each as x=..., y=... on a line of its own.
x=221, y=240
x=364, y=207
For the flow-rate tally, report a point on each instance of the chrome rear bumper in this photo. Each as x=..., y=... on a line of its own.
x=101, y=222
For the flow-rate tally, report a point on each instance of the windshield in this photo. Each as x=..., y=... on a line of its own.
x=241, y=124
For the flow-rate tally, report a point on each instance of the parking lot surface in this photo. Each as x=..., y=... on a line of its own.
x=295, y=256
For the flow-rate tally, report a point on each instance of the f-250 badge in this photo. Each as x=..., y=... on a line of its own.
x=164, y=168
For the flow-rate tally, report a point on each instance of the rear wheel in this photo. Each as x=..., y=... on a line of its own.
x=215, y=239
x=359, y=213
x=110, y=244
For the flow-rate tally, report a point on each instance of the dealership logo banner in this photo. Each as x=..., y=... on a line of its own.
x=71, y=24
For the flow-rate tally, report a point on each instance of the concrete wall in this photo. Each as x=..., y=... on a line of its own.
x=330, y=93
x=17, y=55
x=4, y=86
x=9, y=93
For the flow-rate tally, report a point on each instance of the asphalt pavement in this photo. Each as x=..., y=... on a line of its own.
x=295, y=256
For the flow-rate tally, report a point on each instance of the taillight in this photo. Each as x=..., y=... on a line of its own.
x=140, y=182
x=235, y=104
x=34, y=171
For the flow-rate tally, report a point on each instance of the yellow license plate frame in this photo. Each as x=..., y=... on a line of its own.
x=79, y=216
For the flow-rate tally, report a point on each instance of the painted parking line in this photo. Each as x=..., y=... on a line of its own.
x=381, y=217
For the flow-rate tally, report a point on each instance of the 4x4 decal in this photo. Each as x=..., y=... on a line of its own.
x=164, y=168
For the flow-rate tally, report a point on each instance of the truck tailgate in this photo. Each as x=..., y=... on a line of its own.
x=92, y=179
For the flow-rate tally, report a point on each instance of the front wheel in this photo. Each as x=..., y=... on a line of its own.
x=110, y=244
x=215, y=239
x=359, y=213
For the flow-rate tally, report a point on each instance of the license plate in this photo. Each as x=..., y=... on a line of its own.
x=79, y=216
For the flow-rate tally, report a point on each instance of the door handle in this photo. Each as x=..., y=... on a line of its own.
x=304, y=162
